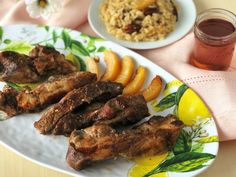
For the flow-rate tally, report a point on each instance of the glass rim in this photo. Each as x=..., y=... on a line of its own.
x=216, y=10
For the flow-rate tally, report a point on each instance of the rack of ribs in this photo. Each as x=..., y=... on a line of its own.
x=41, y=63
x=100, y=141
x=122, y=110
x=74, y=101
x=14, y=102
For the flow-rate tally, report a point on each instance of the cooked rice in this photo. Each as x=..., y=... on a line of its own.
x=118, y=14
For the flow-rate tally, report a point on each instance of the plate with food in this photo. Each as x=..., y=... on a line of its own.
x=87, y=107
x=142, y=24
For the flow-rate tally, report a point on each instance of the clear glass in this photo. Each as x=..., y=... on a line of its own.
x=213, y=52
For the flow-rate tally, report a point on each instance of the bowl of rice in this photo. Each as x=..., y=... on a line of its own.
x=142, y=24
x=135, y=20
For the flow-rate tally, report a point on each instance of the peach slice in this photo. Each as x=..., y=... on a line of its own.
x=136, y=84
x=113, y=66
x=153, y=90
x=92, y=66
x=142, y=4
x=127, y=71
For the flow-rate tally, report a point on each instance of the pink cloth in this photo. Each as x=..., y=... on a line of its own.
x=217, y=88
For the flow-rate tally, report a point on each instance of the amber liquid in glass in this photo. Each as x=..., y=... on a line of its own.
x=209, y=55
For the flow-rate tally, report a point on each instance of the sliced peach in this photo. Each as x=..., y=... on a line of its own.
x=153, y=90
x=142, y=4
x=127, y=71
x=136, y=84
x=92, y=66
x=113, y=66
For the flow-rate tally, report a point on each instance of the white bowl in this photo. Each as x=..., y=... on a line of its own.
x=186, y=19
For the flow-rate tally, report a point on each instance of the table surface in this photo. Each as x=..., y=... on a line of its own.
x=12, y=165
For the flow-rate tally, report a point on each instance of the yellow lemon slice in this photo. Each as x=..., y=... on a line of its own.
x=146, y=164
x=140, y=171
x=191, y=108
x=150, y=161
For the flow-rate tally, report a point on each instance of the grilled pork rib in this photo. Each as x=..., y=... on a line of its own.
x=42, y=63
x=47, y=61
x=8, y=103
x=71, y=121
x=53, y=90
x=44, y=94
x=122, y=110
x=100, y=141
x=75, y=100
x=18, y=68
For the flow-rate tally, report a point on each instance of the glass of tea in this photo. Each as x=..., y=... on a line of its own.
x=215, y=38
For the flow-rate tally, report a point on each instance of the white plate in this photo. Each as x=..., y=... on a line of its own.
x=19, y=135
x=186, y=19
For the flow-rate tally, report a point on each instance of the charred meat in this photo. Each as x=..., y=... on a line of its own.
x=13, y=102
x=47, y=61
x=42, y=63
x=71, y=121
x=18, y=68
x=122, y=110
x=53, y=90
x=75, y=100
x=100, y=141
x=8, y=103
